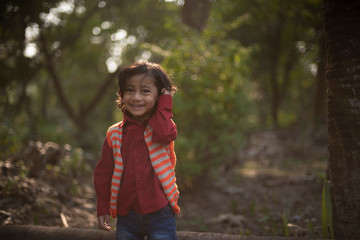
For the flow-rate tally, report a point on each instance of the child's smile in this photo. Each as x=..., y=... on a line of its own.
x=140, y=96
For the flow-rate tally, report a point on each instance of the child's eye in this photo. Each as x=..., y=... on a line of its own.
x=129, y=90
x=146, y=91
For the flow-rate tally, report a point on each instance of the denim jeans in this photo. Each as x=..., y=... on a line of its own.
x=159, y=225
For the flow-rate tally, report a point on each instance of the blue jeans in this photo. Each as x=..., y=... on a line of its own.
x=159, y=225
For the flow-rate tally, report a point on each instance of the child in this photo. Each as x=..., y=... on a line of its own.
x=135, y=178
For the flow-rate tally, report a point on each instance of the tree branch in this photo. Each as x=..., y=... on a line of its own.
x=54, y=76
x=101, y=92
x=72, y=38
x=77, y=118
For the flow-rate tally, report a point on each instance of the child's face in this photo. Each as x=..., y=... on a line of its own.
x=140, y=96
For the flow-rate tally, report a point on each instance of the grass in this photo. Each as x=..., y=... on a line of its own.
x=327, y=222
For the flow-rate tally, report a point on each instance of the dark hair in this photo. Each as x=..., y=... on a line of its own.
x=162, y=79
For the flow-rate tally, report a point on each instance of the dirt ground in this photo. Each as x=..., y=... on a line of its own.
x=271, y=188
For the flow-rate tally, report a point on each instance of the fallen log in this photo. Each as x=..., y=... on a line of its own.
x=33, y=232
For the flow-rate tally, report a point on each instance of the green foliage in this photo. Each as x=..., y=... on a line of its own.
x=285, y=226
x=310, y=228
x=222, y=73
x=10, y=186
x=9, y=143
x=283, y=35
x=246, y=232
x=212, y=107
x=327, y=220
x=72, y=166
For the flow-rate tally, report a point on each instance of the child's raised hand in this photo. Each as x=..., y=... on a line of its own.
x=164, y=91
x=104, y=222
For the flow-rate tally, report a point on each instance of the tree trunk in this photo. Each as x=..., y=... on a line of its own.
x=195, y=13
x=274, y=58
x=79, y=118
x=319, y=114
x=342, y=25
x=275, y=98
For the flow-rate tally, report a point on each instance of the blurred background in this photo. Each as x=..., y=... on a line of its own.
x=250, y=107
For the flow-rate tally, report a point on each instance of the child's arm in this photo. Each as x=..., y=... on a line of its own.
x=164, y=129
x=102, y=182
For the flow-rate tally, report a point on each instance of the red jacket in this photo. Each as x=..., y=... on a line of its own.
x=140, y=188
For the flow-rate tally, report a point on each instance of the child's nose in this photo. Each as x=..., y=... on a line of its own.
x=137, y=95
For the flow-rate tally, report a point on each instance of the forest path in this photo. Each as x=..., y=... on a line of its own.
x=272, y=189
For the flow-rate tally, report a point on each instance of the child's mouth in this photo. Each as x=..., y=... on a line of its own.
x=136, y=106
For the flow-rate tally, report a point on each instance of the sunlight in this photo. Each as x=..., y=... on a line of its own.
x=119, y=35
x=53, y=17
x=66, y=6
x=120, y=39
x=102, y=4
x=96, y=40
x=301, y=46
x=80, y=10
x=30, y=50
x=313, y=69
x=32, y=32
x=131, y=40
x=112, y=64
x=116, y=49
x=178, y=2
x=50, y=18
x=106, y=25
x=253, y=169
x=146, y=55
x=96, y=30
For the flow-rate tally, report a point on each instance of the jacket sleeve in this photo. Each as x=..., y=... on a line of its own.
x=102, y=179
x=164, y=128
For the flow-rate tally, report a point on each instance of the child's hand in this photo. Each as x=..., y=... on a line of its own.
x=164, y=91
x=104, y=222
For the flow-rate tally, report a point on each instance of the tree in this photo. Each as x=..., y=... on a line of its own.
x=283, y=35
x=213, y=108
x=17, y=71
x=79, y=118
x=314, y=20
x=342, y=23
x=195, y=13
x=68, y=74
